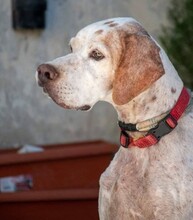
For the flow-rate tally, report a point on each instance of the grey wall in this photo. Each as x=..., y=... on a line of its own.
x=26, y=115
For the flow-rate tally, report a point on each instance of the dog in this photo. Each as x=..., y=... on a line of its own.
x=117, y=61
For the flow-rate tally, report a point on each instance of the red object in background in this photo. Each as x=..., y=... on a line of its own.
x=65, y=181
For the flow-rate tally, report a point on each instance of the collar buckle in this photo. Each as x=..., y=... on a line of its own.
x=165, y=126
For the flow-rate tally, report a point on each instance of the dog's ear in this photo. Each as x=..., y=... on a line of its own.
x=140, y=66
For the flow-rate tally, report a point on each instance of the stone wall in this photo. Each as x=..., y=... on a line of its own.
x=26, y=115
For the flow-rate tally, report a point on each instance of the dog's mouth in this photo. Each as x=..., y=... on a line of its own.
x=63, y=105
x=81, y=108
x=84, y=108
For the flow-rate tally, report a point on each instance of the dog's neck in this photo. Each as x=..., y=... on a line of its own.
x=156, y=100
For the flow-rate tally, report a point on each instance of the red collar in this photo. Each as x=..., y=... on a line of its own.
x=165, y=126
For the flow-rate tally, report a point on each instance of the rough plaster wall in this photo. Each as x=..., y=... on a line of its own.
x=26, y=115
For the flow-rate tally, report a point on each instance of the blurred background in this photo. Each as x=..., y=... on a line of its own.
x=26, y=115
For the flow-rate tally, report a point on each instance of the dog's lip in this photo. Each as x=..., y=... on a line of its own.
x=84, y=108
x=81, y=108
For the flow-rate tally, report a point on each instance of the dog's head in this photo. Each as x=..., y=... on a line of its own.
x=115, y=57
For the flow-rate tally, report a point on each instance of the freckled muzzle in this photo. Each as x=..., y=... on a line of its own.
x=46, y=78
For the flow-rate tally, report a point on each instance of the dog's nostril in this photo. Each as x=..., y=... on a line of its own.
x=48, y=75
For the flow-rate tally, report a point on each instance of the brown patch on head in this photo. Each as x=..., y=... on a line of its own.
x=140, y=29
x=108, y=22
x=140, y=66
x=173, y=90
x=113, y=24
x=99, y=32
x=135, y=28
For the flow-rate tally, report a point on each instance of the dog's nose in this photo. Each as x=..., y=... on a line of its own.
x=46, y=73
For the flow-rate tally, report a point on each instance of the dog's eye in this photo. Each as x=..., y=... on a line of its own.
x=96, y=55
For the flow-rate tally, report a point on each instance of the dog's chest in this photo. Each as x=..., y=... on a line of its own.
x=143, y=188
x=123, y=187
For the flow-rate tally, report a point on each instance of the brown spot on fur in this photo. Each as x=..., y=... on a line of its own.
x=173, y=90
x=99, y=31
x=147, y=108
x=140, y=66
x=108, y=22
x=123, y=116
x=153, y=98
x=113, y=24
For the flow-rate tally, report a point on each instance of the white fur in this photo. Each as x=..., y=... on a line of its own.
x=152, y=183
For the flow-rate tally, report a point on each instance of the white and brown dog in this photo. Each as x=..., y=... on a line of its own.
x=117, y=61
